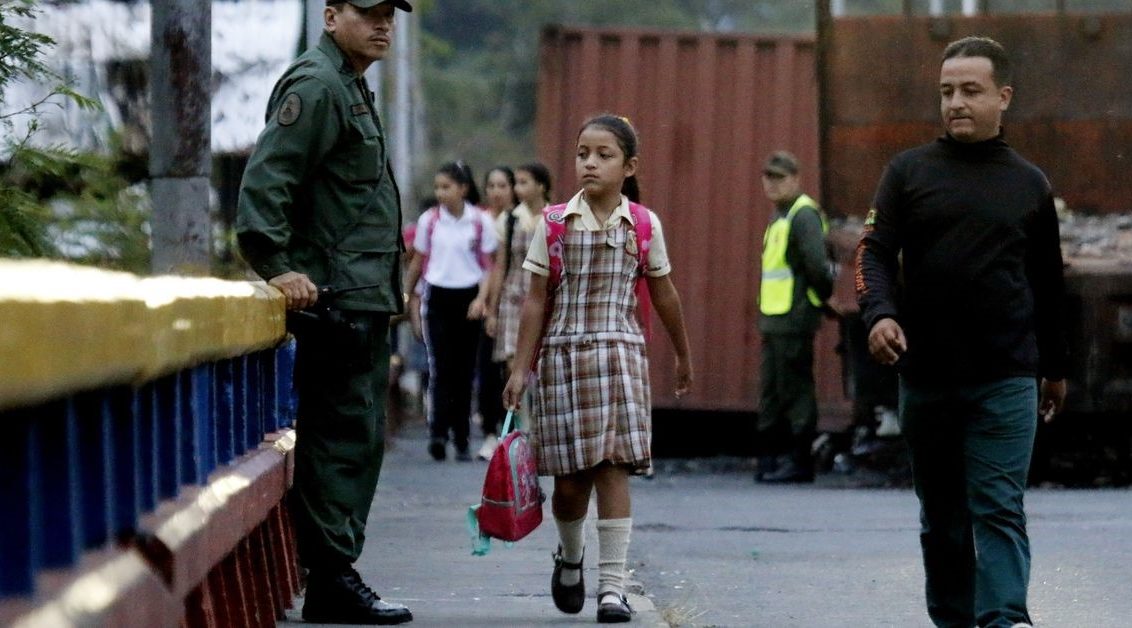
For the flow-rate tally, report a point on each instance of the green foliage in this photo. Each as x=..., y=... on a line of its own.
x=55, y=202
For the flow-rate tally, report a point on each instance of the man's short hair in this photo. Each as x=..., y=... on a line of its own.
x=986, y=47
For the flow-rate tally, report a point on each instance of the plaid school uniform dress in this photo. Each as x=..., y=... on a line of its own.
x=592, y=402
x=515, y=287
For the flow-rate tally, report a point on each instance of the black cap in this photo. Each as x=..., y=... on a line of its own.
x=782, y=164
x=365, y=4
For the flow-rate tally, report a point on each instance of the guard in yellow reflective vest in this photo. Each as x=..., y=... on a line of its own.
x=797, y=280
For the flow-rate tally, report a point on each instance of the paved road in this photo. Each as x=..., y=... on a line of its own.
x=418, y=550
x=712, y=548
x=715, y=549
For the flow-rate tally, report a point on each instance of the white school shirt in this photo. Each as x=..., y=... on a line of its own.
x=452, y=262
x=538, y=258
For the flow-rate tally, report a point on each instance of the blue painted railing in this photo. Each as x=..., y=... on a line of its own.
x=126, y=401
x=79, y=472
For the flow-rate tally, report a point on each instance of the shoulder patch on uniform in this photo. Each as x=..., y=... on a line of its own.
x=871, y=217
x=359, y=109
x=291, y=109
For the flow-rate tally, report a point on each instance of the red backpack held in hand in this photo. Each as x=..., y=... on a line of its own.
x=511, y=506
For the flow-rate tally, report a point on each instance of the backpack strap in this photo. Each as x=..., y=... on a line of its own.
x=509, y=235
x=477, y=241
x=433, y=214
x=554, y=217
x=642, y=224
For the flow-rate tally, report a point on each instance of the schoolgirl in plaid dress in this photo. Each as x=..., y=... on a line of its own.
x=591, y=425
x=511, y=281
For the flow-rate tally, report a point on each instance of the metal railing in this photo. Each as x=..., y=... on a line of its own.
x=144, y=424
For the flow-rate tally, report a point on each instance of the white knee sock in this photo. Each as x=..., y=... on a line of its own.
x=571, y=535
x=613, y=548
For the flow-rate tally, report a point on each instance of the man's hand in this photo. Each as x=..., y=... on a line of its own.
x=1052, y=398
x=301, y=293
x=887, y=342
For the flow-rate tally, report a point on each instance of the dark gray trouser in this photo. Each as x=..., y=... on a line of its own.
x=340, y=439
x=788, y=407
x=970, y=448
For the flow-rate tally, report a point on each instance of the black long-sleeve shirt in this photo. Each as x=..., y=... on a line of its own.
x=982, y=291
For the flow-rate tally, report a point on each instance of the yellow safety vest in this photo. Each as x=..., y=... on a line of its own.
x=776, y=295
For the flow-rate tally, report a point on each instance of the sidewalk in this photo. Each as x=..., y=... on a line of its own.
x=418, y=551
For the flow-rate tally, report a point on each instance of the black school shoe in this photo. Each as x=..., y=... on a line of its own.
x=568, y=599
x=342, y=598
x=617, y=612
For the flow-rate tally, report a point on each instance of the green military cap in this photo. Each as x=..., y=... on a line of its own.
x=365, y=4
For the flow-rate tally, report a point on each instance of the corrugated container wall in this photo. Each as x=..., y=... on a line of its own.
x=709, y=109
x=1071, y=113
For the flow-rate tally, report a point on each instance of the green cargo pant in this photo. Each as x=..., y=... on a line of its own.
x=970, y=448
x=340, y=437
x=788, y=409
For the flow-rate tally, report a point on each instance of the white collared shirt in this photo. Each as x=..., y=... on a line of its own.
x=452, y=262
x=579, y=217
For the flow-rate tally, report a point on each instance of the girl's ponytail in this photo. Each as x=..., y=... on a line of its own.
x=631, y=189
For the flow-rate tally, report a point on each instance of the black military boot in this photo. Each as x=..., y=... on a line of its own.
x=340, y=597
x=791, y=470
x=764, y=466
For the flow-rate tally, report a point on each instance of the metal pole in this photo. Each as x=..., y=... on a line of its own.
x=825, y=19
x=314, y=21
x=180, y=154
x=401, y=116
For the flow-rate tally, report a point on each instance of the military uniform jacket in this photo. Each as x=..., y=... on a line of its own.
x=318, y=196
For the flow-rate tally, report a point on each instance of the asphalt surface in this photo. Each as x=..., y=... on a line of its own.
x=712, y=548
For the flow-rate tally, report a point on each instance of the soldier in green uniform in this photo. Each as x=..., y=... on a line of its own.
x=319, y=209
x=797, y=281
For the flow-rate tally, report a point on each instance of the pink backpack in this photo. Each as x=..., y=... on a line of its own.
x=511, y=506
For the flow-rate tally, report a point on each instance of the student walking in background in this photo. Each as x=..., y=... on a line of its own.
x=509, y=281
x=966, y=227
x=592, y=425
x=453, y=242
x=499, y=200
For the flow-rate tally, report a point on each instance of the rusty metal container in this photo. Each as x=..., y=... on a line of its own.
x=709, y=109
x=1071, y=113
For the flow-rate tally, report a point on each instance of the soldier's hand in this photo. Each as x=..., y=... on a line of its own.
x=300, y=291
x=887, y=342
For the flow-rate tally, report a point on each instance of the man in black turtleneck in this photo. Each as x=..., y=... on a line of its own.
x=973, y=329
